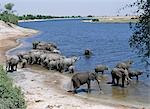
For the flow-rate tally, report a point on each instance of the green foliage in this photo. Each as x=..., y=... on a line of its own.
x=10, y=96
x=8, y=15
x=32, y=17
x=9, y=6
x=140, y=39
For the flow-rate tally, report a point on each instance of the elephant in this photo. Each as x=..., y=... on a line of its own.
x=125, y=64
x=71, y=69
x=66, y=62
x=51, y=57
x=23, y=63
x=34, y=44
x=87, y=52
x=46, y=46
x=79, y=79
x=118, y=73
x=52, y=65
x=42, y=58
x=135, y=73
x=11, y=64
x=101, y=68
x=24, y=56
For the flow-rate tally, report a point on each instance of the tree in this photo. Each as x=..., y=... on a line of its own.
x=9, y=6
x=8, y=15
x=140, y=39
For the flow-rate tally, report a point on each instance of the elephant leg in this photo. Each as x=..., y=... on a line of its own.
x=12, y=68
x=113, y=79
x=137, y=77
x=76, y=85
x=89, y=86
x=117, y=81
x=123, y=79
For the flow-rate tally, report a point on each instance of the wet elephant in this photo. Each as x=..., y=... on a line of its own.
x=118, y=74
x=135, y=73
x=84, y=78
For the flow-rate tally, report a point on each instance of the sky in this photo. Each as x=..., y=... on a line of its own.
x=69, y=7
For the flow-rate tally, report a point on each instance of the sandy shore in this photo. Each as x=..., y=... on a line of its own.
x=9, y=33
x=44, y=89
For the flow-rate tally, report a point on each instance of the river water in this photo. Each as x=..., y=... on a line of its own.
x=109, y=44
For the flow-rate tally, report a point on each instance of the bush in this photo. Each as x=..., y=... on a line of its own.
x=9, y=18
x=11, y=96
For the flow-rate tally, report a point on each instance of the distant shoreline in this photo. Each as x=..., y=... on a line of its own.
x=39, y=20
x=104, y=19
x=112, y=19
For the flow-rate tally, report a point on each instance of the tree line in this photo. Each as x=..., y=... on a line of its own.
x=8, y=15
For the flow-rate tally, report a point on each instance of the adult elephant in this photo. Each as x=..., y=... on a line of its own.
x=11, y=64
x=84, y=78
x=118, y=74
x=135, y=73
x=66, y=62
x=23, y=63
x=35, y=44
x=101, y=68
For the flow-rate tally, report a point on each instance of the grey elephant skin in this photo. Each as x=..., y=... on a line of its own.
x=118, y=74
x=135, y=73
x=101, y=68
x=79, y=79
x=11, y=64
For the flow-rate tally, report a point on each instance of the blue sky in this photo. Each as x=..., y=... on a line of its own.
x=69, y=7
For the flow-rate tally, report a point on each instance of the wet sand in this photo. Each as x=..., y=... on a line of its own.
x=45, y=89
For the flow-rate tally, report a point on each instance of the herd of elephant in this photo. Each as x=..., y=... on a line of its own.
x=44, y=54
x=49, y=56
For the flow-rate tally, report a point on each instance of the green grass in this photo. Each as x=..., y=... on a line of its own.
x=11, y=96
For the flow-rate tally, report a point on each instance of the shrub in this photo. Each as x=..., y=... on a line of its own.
x=11, y=96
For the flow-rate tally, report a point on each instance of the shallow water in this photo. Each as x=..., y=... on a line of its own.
x=109, y=44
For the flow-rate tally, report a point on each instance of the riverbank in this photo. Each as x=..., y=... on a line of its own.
x=9, y=34
x=44, y=89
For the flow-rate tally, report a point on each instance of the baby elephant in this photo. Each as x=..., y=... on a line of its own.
x=135, y=73
x=83, y=78
x=101, y=68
